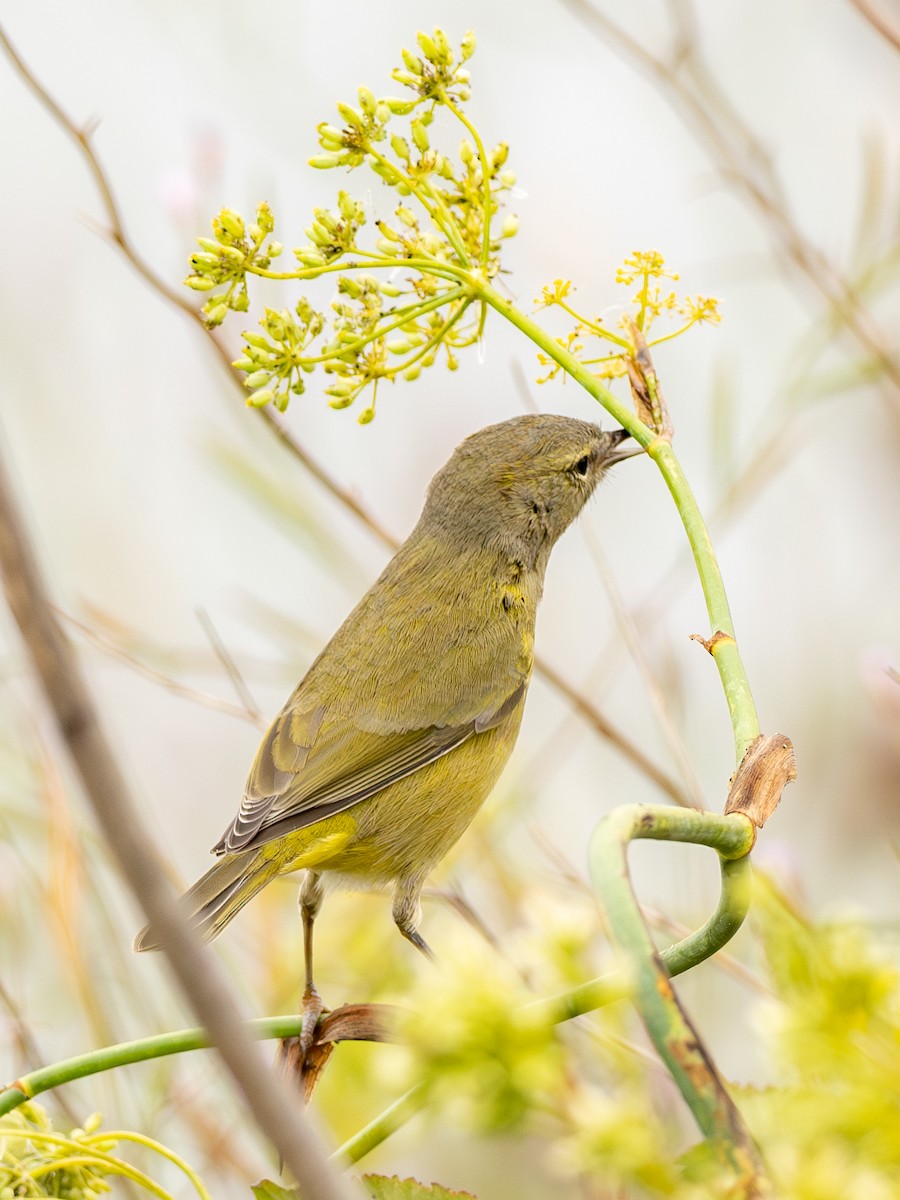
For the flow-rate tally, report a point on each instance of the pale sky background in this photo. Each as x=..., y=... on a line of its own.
x=116, y=416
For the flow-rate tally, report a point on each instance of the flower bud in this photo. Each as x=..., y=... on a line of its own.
x=382, y=113
x=330, y=137
x=414, y=65
x=419, y=136
x=233, y=255
x=400, y=146
x=427, y=46
x=398, y=106
x=350, y=115
x=443, y=45
x=208, y=245
x=367, y=415
x=229, y=223
x=406, y=215
x=257, y=380
x=216, y=315
x=508, y=178
x=256, y=340
x=466, y=151
x=309, y=256
x=510, y=225
x=204, y=262
x=323, y=161
x=261, y=398
x=467, y=45
x=243, y=364
x=274, y=249
x=265, y=218
x=367, y=101
x=412, y=373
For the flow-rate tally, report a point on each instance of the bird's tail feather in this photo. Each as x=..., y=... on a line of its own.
x=219, y=895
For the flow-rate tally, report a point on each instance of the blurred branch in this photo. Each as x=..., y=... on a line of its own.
x=249, y=705
x=632, y=639
x=684, y=76
x=117, y=235
x=203, y=982
x=879, y=20
x=108, y=646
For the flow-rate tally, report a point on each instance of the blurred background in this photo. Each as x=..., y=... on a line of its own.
x=757, y=149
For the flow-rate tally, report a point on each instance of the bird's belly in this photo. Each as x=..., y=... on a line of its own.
x=406, y=828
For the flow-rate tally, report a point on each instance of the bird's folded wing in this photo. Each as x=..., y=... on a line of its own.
x=308, y=768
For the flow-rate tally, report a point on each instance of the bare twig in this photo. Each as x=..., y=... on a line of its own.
x=204, y=984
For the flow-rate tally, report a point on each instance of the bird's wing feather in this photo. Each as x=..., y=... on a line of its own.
x=308, y=768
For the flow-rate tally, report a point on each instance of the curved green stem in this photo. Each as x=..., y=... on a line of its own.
x=669, y=1027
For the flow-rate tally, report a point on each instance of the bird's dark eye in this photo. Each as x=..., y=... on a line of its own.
x=581, y=466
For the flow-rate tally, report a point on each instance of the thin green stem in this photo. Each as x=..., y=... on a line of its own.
x=667, y=337
x=428, y=266
x=487, y=200
x=410, y=314
x=598, y=330
x=433, y=341
x=438, y=214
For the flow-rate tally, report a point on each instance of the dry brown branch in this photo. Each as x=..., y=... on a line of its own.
x=204, y=984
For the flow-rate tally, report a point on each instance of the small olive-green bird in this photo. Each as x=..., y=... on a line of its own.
x=393, y=739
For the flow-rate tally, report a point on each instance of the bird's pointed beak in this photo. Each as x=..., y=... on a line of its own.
x=617, y=436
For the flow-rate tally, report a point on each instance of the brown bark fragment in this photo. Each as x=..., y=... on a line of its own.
x=767, y=767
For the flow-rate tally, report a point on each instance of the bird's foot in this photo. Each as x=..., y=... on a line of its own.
x=300, y=1057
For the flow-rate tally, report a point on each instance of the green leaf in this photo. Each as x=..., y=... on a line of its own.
x=269, y=1190
x=383, y=1187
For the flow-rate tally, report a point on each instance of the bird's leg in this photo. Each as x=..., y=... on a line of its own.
x=407, y=912
x=310, y=903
